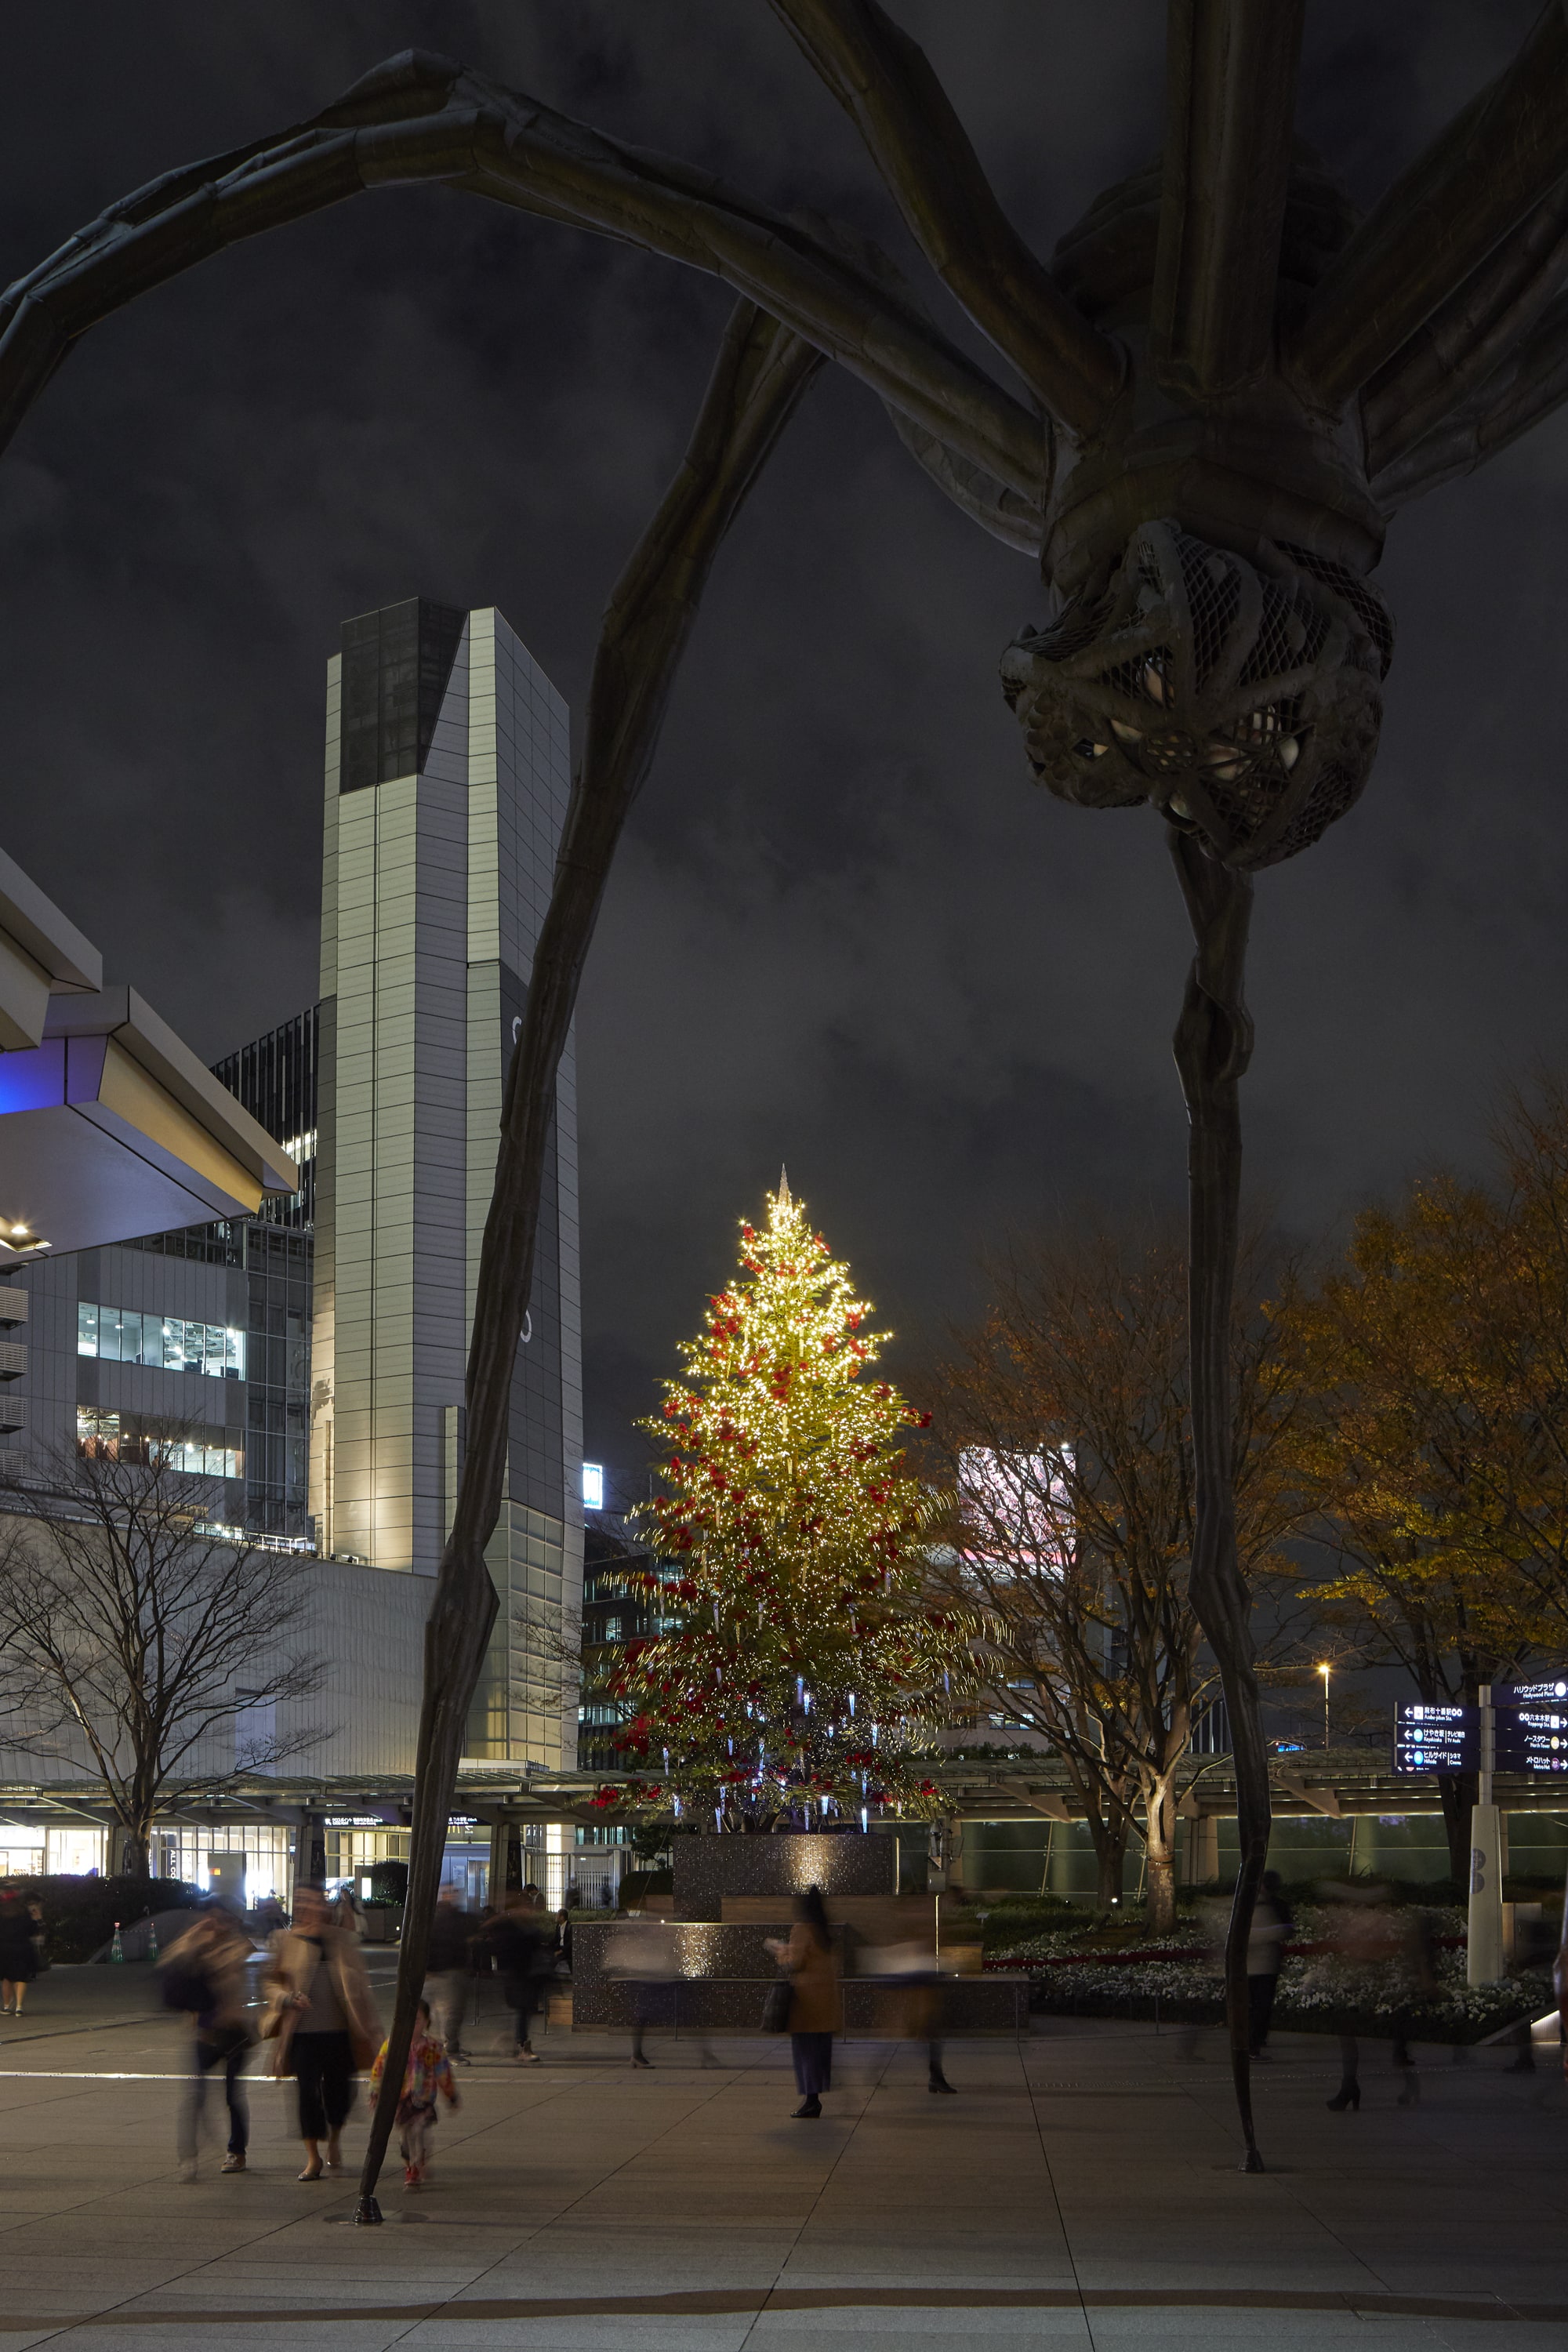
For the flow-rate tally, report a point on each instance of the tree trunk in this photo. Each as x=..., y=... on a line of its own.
x=1111, y=1858
x=1213, y=1044
x=1159, y=1841
x=131, y=1852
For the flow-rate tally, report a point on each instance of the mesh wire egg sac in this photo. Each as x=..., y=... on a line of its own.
x=1241, y=698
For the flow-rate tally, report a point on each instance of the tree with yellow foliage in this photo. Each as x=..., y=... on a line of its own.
x=1433, y=1439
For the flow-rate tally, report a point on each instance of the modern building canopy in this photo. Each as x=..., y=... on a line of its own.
x=41, y=955
x=109, y=1127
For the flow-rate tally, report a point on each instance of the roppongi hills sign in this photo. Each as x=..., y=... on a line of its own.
x=1528, y=1725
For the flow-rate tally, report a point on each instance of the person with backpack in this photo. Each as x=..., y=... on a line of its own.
x=204, y=1976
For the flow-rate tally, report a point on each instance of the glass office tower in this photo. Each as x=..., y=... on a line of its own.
x=446, y=781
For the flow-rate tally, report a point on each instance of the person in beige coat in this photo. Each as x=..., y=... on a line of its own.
x=816, y=2005
x=323, y=2023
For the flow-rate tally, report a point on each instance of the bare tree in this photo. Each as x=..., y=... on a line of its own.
x=1064, y=1428
x=139, y=1644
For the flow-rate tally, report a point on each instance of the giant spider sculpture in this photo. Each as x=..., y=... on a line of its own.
x=1228, y=384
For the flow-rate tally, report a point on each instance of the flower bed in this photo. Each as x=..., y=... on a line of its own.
x=1320, y=1992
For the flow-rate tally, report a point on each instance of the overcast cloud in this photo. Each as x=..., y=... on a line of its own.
x=847, y=932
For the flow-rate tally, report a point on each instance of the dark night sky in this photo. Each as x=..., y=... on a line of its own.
x=847, y=930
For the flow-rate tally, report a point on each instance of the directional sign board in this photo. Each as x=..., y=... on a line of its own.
x=1429, y=1738
x=1532, y=1728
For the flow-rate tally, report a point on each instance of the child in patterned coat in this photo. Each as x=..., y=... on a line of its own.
x=428, y=2076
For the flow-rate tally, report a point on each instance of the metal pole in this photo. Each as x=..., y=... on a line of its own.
x=1484, y=1954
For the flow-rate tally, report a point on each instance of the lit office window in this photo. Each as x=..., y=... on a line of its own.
x=592, y=1486
x=202, y=1455
x=118, y=1335
x=97, y=1433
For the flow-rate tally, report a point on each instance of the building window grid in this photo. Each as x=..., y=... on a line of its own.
x=170, y=1343
x=201, y=1454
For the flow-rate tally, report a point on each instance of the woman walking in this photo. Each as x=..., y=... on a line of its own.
x=325, y=2021
x=815, y=2010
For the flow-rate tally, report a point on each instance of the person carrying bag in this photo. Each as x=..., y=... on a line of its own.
x=321, y=2021
x=816, y=2003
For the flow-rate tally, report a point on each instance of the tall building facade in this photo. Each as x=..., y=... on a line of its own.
x=447, y=782
x=310, y=1359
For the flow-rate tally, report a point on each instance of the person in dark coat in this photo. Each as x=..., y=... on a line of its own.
x=817, y=2006
x=446, y=1967
x=19, y=1928
x=515, y=1937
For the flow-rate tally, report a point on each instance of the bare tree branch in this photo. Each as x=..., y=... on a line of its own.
x=1064, y=1425
x=1230, y=104
x=1527, y=386
x=423, y=119
x=130, y=1642
x=1476, y=183
x=884, y=82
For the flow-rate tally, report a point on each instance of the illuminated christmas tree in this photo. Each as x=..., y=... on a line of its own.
x=801, y=1665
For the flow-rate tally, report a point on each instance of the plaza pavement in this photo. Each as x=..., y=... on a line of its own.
x=1081, y=2192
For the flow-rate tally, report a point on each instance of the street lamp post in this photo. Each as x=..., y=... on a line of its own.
x=1325, y=1671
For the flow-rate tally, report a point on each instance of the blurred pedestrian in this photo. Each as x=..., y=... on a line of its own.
x=1419, y=1958
x=447, y=1967
x=348, y=1911
x=270, y=1916
x=914, y=2009
x=426, y=2076
x=1362, y=1936
x=323, y=2020
x=1272, y=1924
x=563, y=1943
x=816, y=2009
x=516, y=1938
x=641, y=1957
x=20, y=1923
x=204, y=1975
